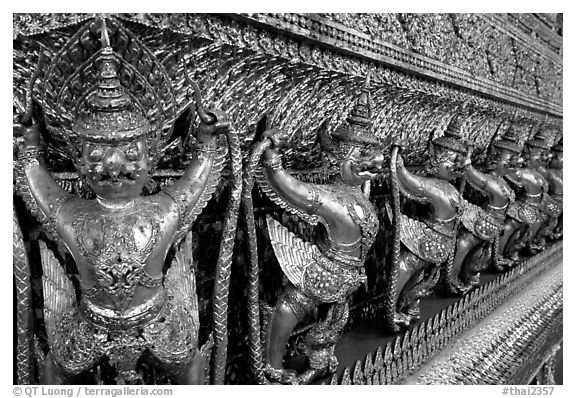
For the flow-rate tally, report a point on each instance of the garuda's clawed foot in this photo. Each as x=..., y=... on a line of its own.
x=474, y=281
x=402, y=320
x=536, y=247
x=281, y=376
x=310, y=375
x=503, y=264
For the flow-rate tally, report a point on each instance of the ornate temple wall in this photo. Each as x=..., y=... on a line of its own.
x=300, y=73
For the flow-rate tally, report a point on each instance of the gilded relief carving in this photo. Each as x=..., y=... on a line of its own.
x=422, y=243
x=220, y=198
x=331, y=270
x=482, y=225
x=128, y=305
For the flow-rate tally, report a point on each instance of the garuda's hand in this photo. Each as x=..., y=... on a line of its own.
x=278, y=138
x=30, y=134
x=212, y=122
x=399, y=142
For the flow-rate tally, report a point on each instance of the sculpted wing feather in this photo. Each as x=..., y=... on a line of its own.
x=180, y=280
x=59, y=294
x=209, y=188
x=293, y=254
x=424, y=242
x=411, y=231
x=471, y=213
x=277, y=200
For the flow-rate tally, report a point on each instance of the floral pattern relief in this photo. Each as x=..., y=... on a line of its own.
x=466, y=41
x=471, y=42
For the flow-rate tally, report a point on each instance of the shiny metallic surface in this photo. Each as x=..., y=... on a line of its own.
x=422, y=243
x=460, y=345
x=331, y=270
x=221, y=198
x=119, y=241
x=480, y=355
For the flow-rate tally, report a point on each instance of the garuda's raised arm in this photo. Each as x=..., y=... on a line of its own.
x=410, y=184
x=297, y=193
x=193, y=190
x=42, y=194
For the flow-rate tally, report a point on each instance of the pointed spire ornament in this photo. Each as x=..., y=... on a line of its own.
x=509, y=140
x=108, y=113
x=357, y=130
x=452, y=138
x=539, y=139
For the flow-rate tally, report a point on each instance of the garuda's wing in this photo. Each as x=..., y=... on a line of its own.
x=423, y=241
x=180, y=281
x=59, y=294
x=293, y=254
x=470, y=215
x=277, y=200
x=207, y=191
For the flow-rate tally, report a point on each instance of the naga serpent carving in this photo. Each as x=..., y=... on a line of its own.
x=106, y=282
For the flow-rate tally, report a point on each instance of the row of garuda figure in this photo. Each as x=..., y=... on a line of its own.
x=124, y=305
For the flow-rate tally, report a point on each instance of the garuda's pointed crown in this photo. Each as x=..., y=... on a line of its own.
x=104, y=85
x=357, y=130
x=108, y=113
x=539, y=139
x=559, y=146
x=452, y=138
x=509, y=140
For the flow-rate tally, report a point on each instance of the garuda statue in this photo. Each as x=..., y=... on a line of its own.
x=524, y=216
x=481, y=225
x=421, y=244
x=552, y=204
x=330, y=270
x=121, y=305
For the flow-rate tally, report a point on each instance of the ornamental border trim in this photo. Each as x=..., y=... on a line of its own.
x=328, y=45
x=328, y=33
x=402, y=358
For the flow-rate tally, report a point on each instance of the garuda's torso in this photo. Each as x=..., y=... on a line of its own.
x=358, y=212
x=119, y=252
x=555, y=180
x=532, y=186
x=487, y=221
x=532, y=181
x=331, y=269
x=497, y=190
x=431, y=236
x=552, y=202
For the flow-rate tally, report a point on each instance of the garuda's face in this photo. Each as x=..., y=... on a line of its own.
x=534, y=154
x=115, y=171
x=503, y=161
x=446, y=164
x=557, y=161
x=361, y=165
